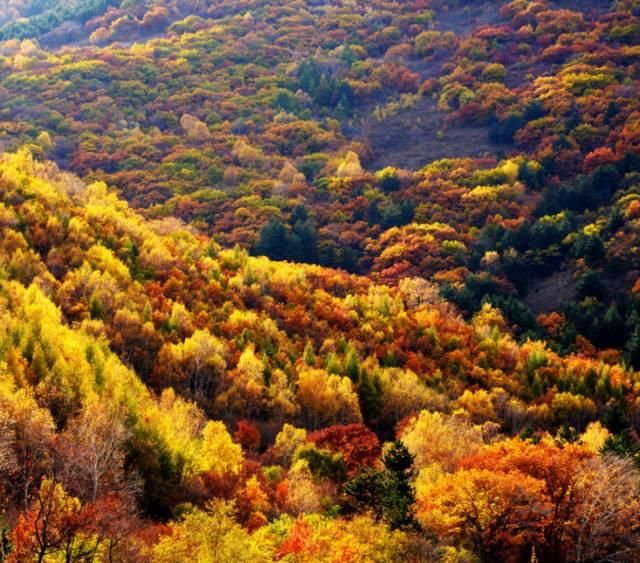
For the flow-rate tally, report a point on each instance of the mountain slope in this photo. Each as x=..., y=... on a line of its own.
x=83, y=275
x=319, y=281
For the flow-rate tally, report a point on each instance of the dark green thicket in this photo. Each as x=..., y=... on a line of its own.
x=389, y=494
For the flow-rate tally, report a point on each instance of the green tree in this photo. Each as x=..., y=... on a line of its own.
x=273, y=240
x=370, y=394
x=352, y=366
x=390, y=493
x=400, y=496
x=309, y=355
x=632, y=349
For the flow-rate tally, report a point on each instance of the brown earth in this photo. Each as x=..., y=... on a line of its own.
x=414, y=137
x=551, y=293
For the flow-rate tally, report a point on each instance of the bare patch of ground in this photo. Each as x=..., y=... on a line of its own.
x=551, y=293
x=464, y=20
x=414, y=137
x=588, y=7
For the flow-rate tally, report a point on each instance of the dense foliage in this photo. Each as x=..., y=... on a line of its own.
x=319, y=281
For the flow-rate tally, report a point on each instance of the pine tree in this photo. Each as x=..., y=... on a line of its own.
x=389, y=494
x=309, y=356
x=5, y=543
x=537, y=387
x=366, y=491
x=632, y=349
x=352, y=366
x=273, y=240
x=304, y=240
x=370, y=394
x=399, y=496
x=96, y=309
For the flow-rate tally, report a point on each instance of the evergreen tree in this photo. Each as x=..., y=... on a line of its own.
x=590, y=285
x=399, y=496
x=352, y=366
x=96, y=309
x=389, y=494
x=5, y=542
x=591, y=248
x=615, y=418
x=304, y=242
x=613, y=330
x=370, y=394
x=537, y=387
x=632, y=349
x=273, y=240
x=623, y=445
x=323, y=91
x=309, y=356
x=308, y=75
x=373, y=213
x=365, y=492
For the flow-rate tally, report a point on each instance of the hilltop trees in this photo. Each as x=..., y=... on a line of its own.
x=181, y=374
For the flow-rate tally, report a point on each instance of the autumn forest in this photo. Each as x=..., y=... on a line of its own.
x=334, y=281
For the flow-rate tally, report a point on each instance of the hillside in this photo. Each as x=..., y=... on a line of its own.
x=91, y=292
x=316, y=281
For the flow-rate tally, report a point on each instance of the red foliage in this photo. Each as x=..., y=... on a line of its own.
x=358, y=445
x=247, y=435
x=599, y=157
x=296, y=543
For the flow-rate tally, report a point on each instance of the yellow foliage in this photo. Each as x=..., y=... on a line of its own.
x=478, y=405
x=287, y=441
x=511, y=170
x=404, y=393
x=216, y=452
x=102, y=258
x=211, y=536
x=327, y=399
x=349, y=166
x=202, y=446
x=315, y=538
x=594, y=437
x=434, y=438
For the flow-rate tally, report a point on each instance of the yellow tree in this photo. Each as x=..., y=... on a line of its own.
x=319, y=539
x=497, y=512
x=196, y=446
x=288, y=440
x=28, y=441
x=327, y=399
x=349, y=166
x=216, y=451
x=211, y=536
x=197, y=363
x=594, y=437
x=281, y=400
x=403, y=394
x=434, y=438
x=246, y=395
